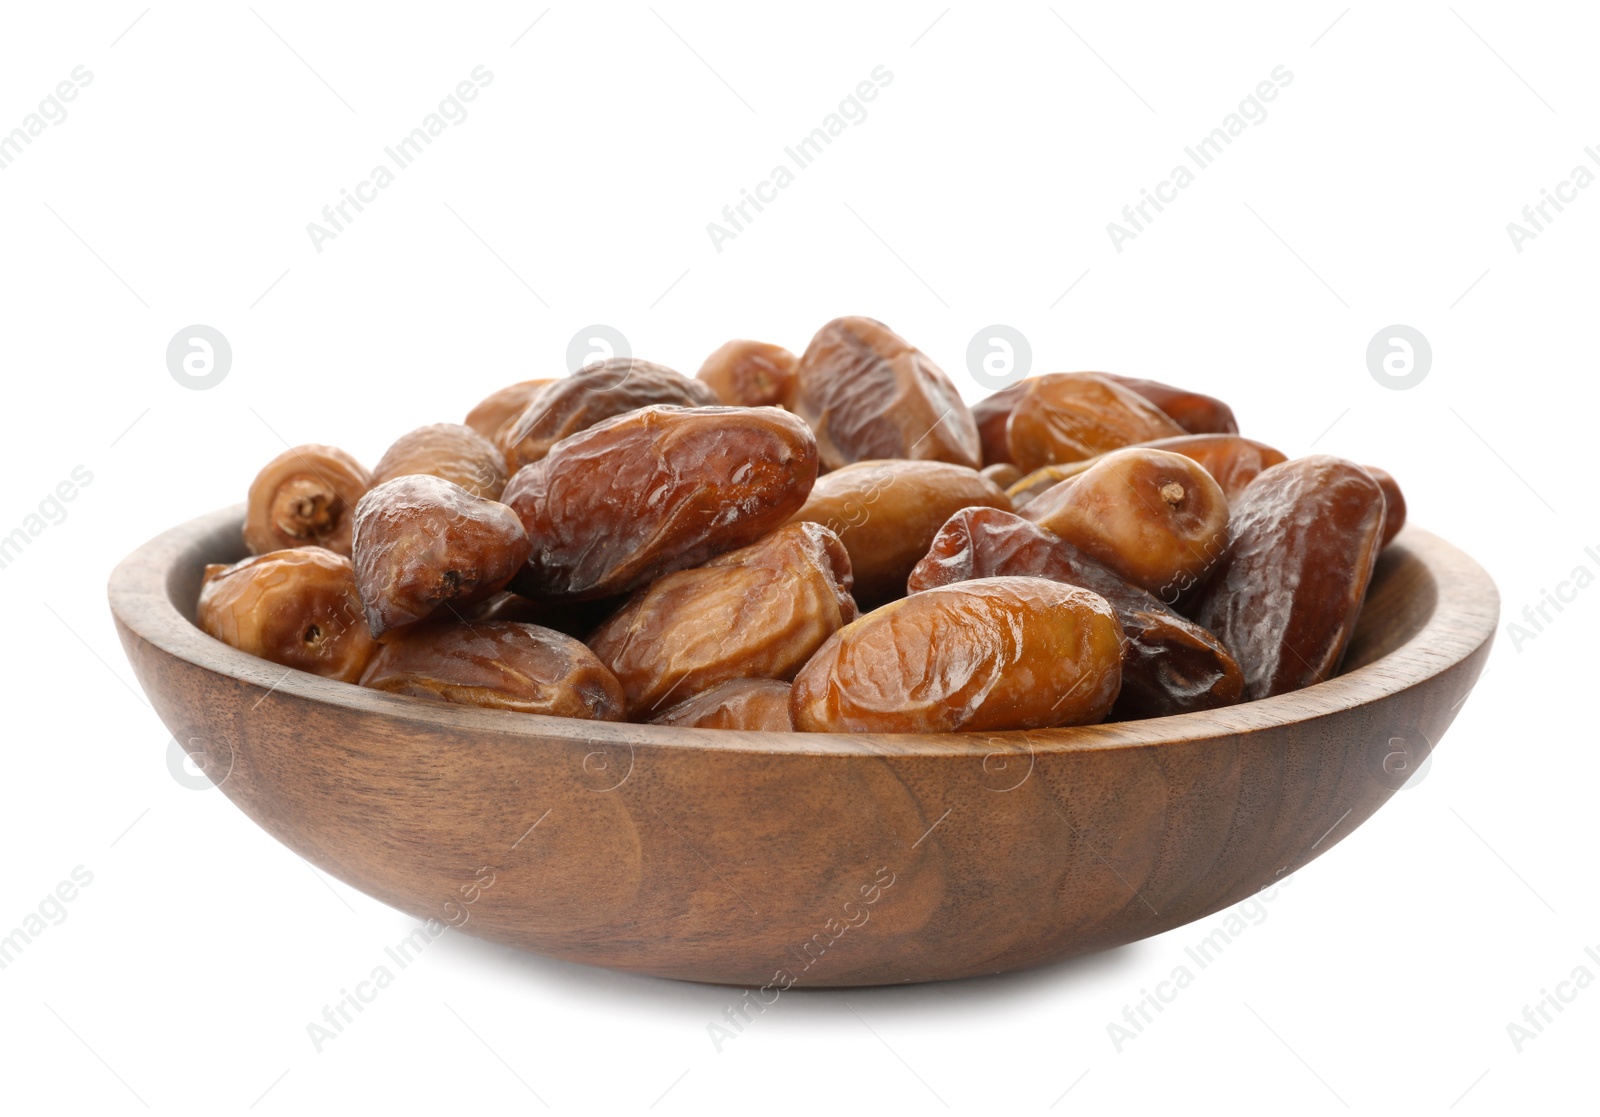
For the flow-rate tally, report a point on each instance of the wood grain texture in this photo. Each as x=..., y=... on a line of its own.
x=748, y=858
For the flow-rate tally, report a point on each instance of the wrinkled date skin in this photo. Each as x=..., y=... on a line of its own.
x=497, y=409
x=592, y=394
x=422, y=542
x=1232, y=461
x=296, y=607
x=758, y=612
x=502, y=665
x=869, y=394
x=305, y=497
x=750, y=374
x=453, y=451
x=991, y=414
x=1069, y=416
x=1170, y=665
x=660, y=489
x=1194, y=412
x=757, y=705
x=1394, y=503
x=990, y=654
x=1286, y=596
x=888, y=512
x=1156, y=518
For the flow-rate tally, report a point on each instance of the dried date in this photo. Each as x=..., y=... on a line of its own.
x=1069, y=416
x=660, y=489
x=591, y=395
x=1170, y=665
x=452, y=451
x=750, y=374
x=868, y=394
x=985, y=655
x=758, y=612
x=888, y=512
x=1157, y=518
x=501, y=665
x=304, y=497
x=422, y=542
x=1286, y=595
x=296, y=607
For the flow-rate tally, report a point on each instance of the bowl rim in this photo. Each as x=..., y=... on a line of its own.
x=1464, y=618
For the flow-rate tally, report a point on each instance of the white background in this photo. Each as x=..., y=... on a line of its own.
x=1377, y=191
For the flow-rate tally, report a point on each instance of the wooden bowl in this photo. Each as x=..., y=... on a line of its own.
x=778, y=859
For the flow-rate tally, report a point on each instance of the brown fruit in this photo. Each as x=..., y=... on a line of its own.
x=757, y=705
x=304, y=497
x=868, y=394
x=1003, y=474
x=659, y=489
x=592, y=394
x=1394, y=503
x=422, y=542
x=992, y=414
x=1155, y=517
x=499, y=408
x=887, y=513
x=755, y=613
x=503, y=666
x=1286, y=595
x=1232, y=461
x=295, y=607
x=1195, y=413
x=750, y=374
x=986, y=655
x=453, y=451
x=1170, y=665
x=1069, y=416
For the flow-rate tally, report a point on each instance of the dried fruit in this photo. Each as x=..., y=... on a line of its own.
x=755, y=613
x=452, y=451
x=295, y=607
x=1195, y=413
x=659, y=489
x=592, y=394
x=888, y=512
x=760, y=705
x=503, y=665
x=304, y=497
x=1232, y=461
x=1155, y=517
x=498, y=408
x=1069, y=416
x=989, y=654
x=1394, y=503
x=868, y=394
x=1286, y=595
x=750, y=374
x=1170, y=665
x=991, y=414
x=422, y=542
x=1003, y=474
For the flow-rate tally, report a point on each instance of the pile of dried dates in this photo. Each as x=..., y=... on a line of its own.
x=829, y=543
